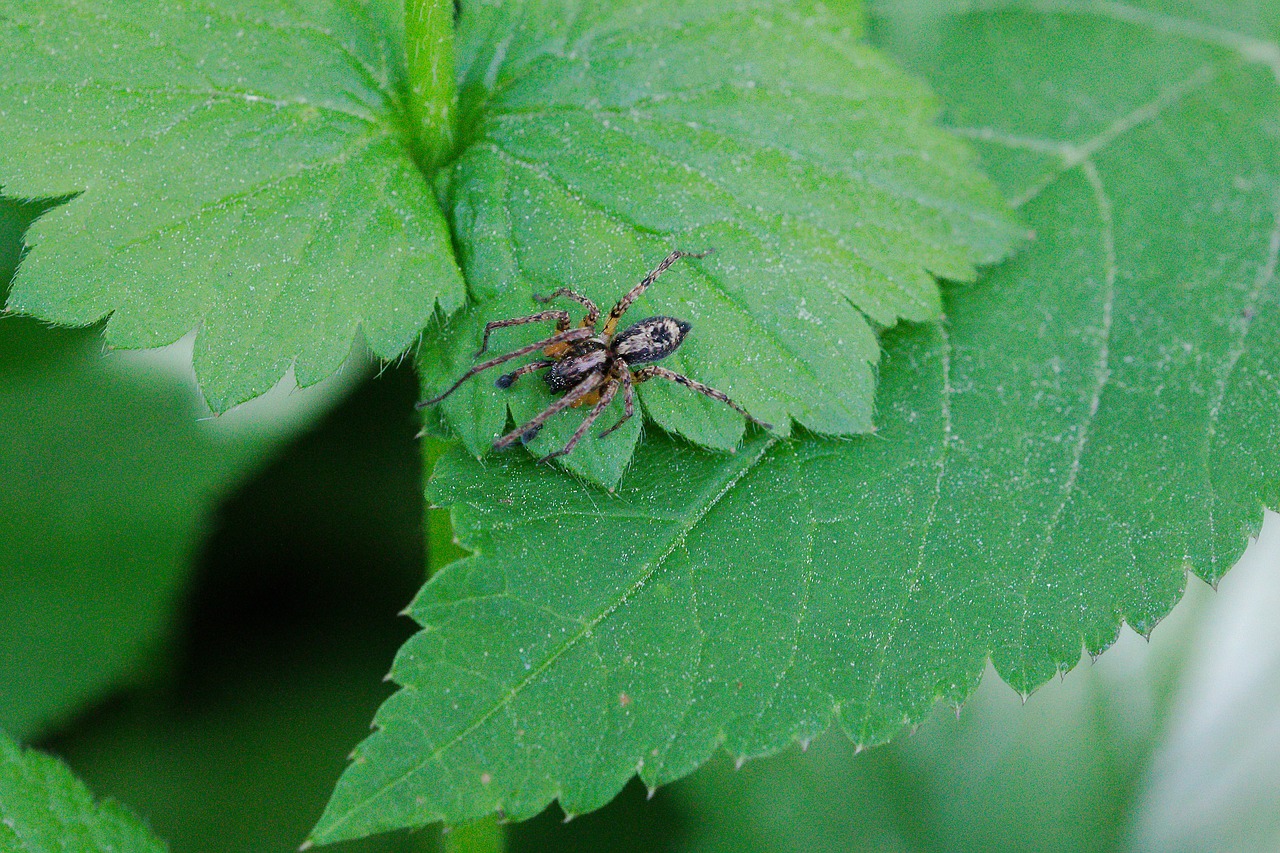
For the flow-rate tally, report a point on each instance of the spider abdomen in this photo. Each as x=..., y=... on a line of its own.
x=650, y=340
x=575, y=367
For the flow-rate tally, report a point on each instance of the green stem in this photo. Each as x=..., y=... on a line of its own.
x=433, y=94
x=483, y=836
x=442, y=549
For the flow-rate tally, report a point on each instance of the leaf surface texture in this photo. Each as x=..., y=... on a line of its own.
x=240, y=167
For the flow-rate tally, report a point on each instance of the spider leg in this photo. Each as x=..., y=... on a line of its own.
x=558, y=338
x=577, y=392
x=606, y=397
x=654, y=370
x=611, y=324
x=506, y=380
x=628, y=402
x=559, y=315
x=593, y=313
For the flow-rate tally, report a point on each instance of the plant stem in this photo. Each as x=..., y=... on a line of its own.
x=441, y=547
x=433, y=94
x=483, y=836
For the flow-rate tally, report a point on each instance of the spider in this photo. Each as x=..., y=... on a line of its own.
x=589, y=367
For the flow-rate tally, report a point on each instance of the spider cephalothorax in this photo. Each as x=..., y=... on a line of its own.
x=589, y=367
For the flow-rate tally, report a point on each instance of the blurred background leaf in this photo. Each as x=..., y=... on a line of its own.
x=45, y=809
x=280, y=650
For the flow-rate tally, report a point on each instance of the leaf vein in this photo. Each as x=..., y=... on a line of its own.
x=747, y=210
x=229, y=201
x=913, y=578
x=1102, y=375
x=745, y=464
x=1266, y=275
x=1250, y=48
x=803, y=609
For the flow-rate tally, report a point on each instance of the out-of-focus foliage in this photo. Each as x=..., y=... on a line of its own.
x=283, y=641
x=45, y=809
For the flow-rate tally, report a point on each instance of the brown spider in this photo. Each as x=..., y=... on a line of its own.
x=589, y=368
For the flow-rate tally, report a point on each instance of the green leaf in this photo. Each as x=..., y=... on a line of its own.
x=599, y=137
x=240, y=167
x=1096, y=419
x=43, y=808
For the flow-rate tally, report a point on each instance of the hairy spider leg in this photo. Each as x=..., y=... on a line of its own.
x=506, y=380
x=611, y=324
x=593, y=313
x=577, y=392
x=606, y=397
x=559, y=337
x=653, y=370
x=558, y=314
x=628, y=402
